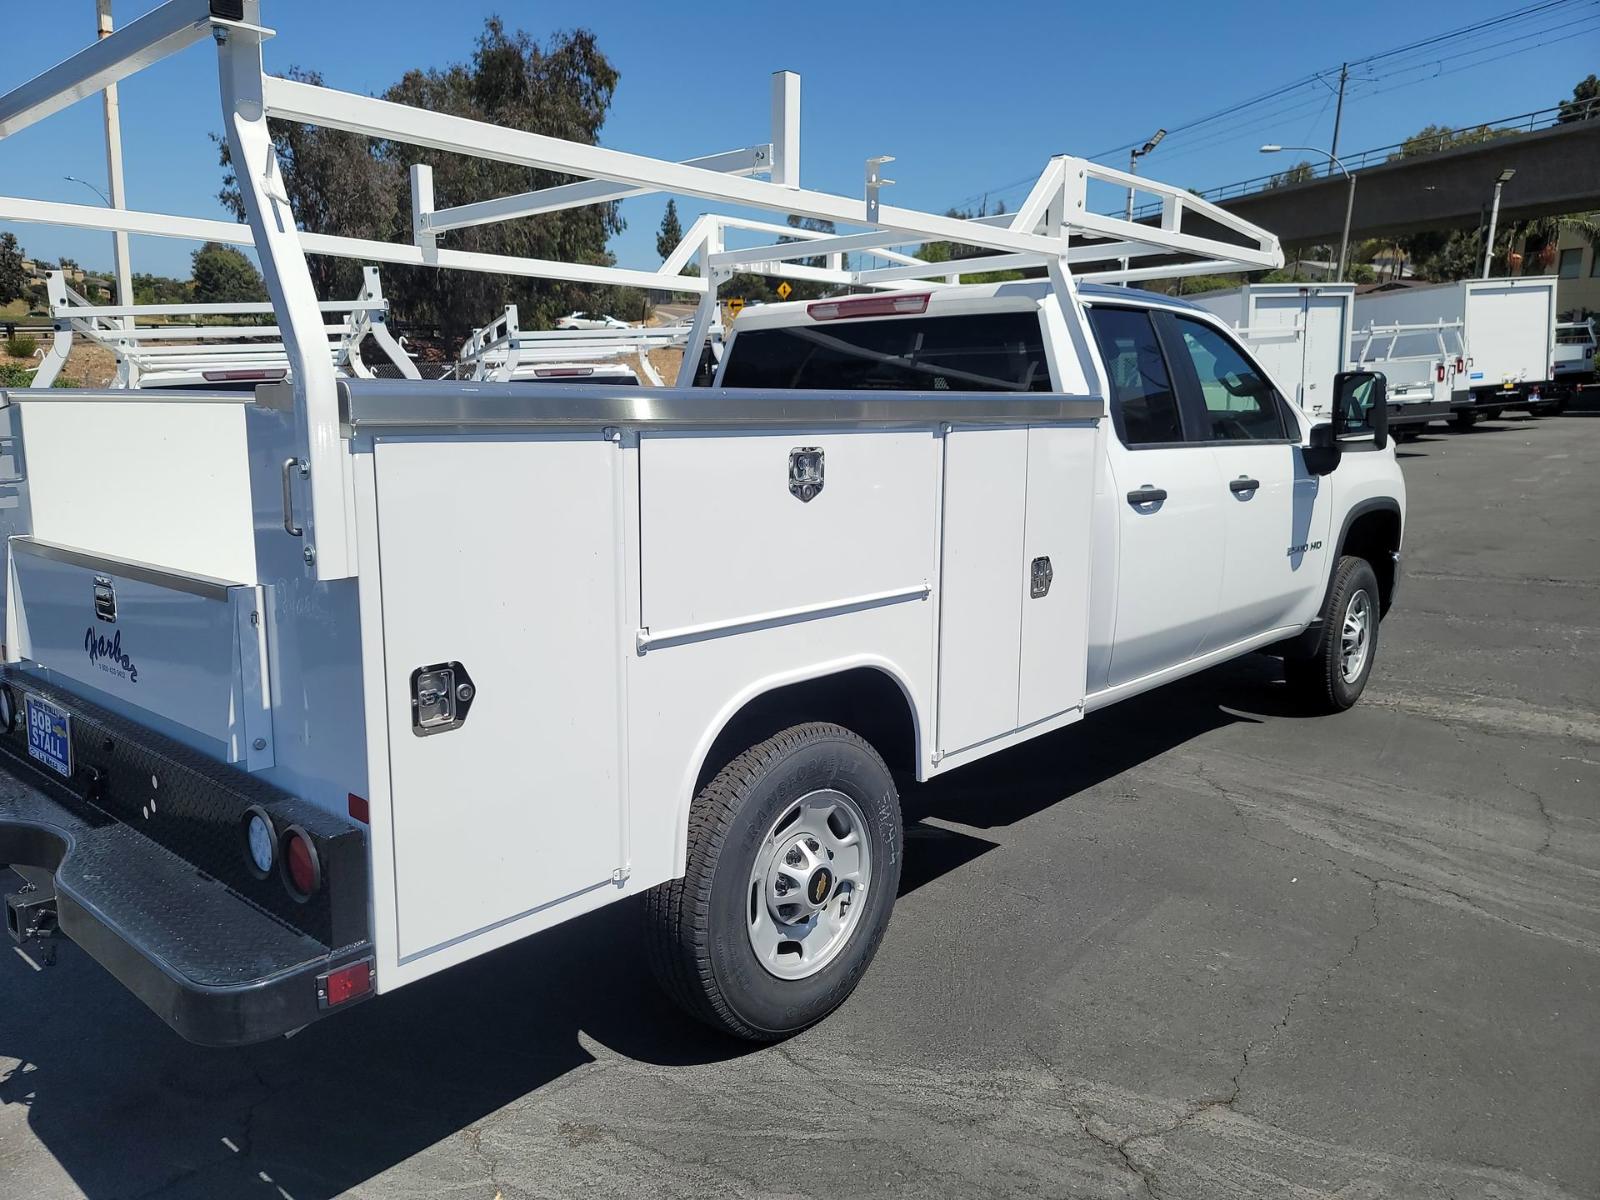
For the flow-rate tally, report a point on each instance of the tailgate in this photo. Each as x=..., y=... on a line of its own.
x=183, y=653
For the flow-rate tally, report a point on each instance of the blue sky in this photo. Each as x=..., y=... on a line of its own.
x=969, y=98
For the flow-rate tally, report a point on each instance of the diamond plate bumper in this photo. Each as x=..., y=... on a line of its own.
x=163, y=900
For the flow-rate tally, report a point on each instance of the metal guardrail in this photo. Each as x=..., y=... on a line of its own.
x=1528, y=122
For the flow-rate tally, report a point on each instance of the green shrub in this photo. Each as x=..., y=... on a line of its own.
x=21, y=345
x=15, y=375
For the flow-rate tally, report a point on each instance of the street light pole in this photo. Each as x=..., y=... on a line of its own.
x=1494, y=218
x=1350, y=199
x=1133, y=169
x=103, y=197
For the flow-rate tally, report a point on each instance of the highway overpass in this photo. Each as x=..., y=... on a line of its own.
x=1558, y=171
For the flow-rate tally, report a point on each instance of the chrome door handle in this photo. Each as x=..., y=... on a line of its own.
x=292, y=464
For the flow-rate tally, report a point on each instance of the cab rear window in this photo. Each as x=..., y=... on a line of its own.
x=981, y=352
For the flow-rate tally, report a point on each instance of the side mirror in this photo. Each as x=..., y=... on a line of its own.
x=1322, y=452
x=1361, y=406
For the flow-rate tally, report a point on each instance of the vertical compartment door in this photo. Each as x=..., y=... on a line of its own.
x=500, y=574
x=980, y=606
x=1055, y=597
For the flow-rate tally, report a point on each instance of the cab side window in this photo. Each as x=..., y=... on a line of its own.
x=1142, y=395
x=1240, y=402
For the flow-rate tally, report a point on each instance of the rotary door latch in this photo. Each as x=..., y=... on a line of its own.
x=1039, y=577
x=440, y=697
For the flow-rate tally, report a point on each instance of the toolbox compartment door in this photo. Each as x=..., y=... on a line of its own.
x=501, y=554
x=183, y=653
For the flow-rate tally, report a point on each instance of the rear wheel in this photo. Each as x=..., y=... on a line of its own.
x=793, y=864
x=1333, y=679
x=1464, y=419
x=1493, y=414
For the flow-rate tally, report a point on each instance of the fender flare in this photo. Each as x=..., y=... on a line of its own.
x=1309, y=641
x=748, y=695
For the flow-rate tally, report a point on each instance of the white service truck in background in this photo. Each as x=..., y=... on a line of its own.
x=1574, y=357
x=313, y=693
x=1508, y=327
x=1421, y=364
x=1299, y=332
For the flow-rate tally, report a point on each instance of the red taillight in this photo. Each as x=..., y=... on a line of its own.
x=868, y=306
x=1439, y=372
x=242, y=376
x=301, y=868
x=360, y=810
x=561, y=372
x=1460, y=366
x=347, y=983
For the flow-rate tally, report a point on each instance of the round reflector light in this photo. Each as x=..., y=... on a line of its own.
x=301, y=869
x=260, y=842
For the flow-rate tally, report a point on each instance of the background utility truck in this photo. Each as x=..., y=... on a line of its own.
x=1299, y=332
x=1508, y=327
x=481, y=657
x=1421, y=364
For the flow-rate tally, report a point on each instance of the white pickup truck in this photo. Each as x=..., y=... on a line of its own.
x=311, y=694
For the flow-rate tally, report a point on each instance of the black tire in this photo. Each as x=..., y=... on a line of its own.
x=1464, y=419
x=1319, y=682
x=1493, y=414
x=699, y=946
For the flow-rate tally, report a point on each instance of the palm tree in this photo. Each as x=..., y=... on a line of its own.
x=1537, y=235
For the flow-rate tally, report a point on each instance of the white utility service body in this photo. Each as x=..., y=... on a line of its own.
x=484, y=656
x=1508, y=326
x=1574, y=353
x=1299, y=332
x=1421, y=364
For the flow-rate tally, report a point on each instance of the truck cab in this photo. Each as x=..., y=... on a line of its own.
x=1206, y=473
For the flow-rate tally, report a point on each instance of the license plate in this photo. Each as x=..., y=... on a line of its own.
x=50, y=735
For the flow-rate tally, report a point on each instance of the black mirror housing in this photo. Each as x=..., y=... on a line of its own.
x=1361, y=406
x=1322, y=452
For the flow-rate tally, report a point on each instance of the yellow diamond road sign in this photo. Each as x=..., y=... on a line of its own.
x=784, y=289
x=735, y=307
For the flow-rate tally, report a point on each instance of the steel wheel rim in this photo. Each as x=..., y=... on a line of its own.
x=1355, y=639
x=808, y=886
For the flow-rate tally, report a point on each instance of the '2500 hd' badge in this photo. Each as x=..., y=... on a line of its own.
x=107, y=654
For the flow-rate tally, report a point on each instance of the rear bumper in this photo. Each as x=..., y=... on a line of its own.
x=1419, y=413
x=214, y=963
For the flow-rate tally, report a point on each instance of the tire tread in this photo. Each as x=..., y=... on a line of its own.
x=678, y=912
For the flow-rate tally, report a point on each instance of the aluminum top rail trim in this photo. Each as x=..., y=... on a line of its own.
x=24, y=395
x=379, y=404
x=162, y=31
x=126, y=568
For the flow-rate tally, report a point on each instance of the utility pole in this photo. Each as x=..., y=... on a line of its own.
x=1338, y=116
x=119, y=239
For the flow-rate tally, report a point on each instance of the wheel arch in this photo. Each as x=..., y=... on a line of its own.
x=868, y=695
x=1372, y=529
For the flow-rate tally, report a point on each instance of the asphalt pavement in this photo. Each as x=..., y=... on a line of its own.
x=1198, y=946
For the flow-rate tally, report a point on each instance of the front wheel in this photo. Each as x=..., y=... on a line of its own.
x=1333, y=679
x=793, y=864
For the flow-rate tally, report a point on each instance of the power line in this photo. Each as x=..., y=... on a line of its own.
x=1474, y=29
x=1241, y=117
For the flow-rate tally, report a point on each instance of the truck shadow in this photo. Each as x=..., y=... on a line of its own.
x=129, y=1110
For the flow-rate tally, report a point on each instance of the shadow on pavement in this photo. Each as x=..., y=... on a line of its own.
x=129, y=1110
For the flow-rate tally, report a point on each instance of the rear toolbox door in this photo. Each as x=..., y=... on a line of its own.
x=500, y=554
